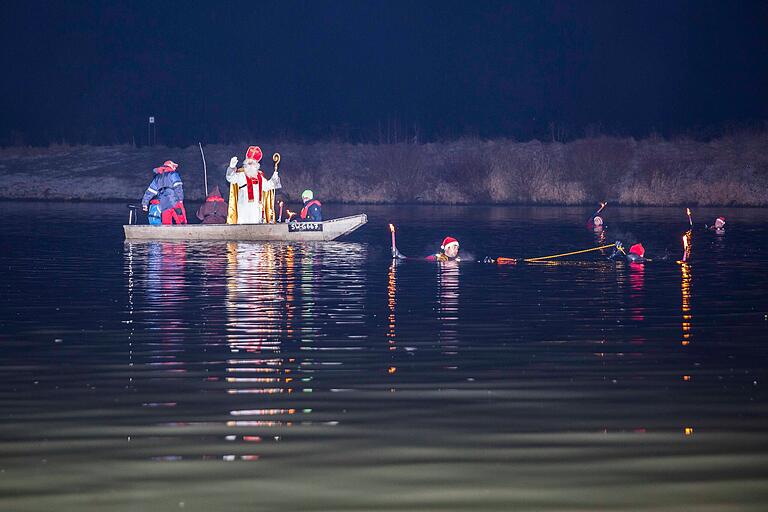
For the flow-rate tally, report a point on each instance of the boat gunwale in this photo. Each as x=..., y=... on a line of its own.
x=224, y=232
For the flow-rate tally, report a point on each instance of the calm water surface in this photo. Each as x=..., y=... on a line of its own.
x=318, y=376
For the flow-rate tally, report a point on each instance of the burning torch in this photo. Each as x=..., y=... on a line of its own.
x=394, y=247
x=686, y=246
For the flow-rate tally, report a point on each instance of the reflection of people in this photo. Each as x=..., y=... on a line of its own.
x=449, y=251
x=214, y=209
x=168, y=188
x=637, y=284
x=448, y=308
x=166, y=287
x=248, y=187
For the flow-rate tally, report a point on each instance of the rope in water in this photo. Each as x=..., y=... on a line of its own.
x=542, y=258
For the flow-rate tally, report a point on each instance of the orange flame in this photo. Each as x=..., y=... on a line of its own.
x=688, y=211
x=392, y=228
x=685, y=241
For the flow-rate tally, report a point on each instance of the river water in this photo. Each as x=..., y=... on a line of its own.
x=318, y=376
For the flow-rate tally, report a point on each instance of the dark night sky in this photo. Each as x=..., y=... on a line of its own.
x=92, y=71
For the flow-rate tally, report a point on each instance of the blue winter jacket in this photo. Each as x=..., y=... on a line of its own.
x=167, y=186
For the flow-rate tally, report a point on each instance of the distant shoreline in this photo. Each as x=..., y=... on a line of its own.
x=729, y=171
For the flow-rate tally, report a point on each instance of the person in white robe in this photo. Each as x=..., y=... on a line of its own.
x=248, y=186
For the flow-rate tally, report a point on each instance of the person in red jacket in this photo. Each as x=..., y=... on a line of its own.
x=168, y=188
x=214, y=209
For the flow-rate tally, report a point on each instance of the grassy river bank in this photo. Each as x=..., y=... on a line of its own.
x=731, y=170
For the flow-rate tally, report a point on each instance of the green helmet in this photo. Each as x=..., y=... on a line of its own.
x=307, y=195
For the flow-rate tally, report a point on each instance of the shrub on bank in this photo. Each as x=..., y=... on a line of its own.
x=732, y=170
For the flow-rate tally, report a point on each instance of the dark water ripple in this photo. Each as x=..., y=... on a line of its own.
x=249, y=376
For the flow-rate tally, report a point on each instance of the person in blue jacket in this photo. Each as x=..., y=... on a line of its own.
x=154, y=215
x=168, y=188
x=312, y=210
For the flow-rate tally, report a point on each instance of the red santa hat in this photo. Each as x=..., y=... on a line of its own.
x=171, y=164
x=637, y=249
x=448, y=241
x=253, y=153
x=720, y=222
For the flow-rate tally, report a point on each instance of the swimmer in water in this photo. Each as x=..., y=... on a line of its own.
x=449, y=251
x=636, y=253
x=719, y=226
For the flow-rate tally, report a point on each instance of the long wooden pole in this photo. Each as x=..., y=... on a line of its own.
x=205, y=168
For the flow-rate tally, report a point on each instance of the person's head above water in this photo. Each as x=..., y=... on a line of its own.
x=597, y=221
x=637, y=249
x=450, y=247
x=636, y=253
x=720, y=223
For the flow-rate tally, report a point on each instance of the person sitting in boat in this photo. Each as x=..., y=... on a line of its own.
x=248, y=185
x=214, y=209
x=168, y=188
x=312, y=209
x=719, y=226
x=310, y=212
x=449, y=251
x=154, y=215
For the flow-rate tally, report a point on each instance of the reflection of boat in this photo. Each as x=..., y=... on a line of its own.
x=294, y=231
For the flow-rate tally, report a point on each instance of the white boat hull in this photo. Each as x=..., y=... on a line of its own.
x=295, y=231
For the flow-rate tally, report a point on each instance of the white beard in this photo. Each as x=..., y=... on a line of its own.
x=252, y=170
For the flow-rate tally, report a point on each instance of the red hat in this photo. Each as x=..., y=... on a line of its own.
x=253, y=153
x=721, y=221
x=448, y=241
x=637, y=249
x=171, y=164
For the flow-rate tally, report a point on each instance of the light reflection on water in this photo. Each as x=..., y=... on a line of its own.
x=330, y=378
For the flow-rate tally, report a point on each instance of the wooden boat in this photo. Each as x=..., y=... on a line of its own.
x=293, y=231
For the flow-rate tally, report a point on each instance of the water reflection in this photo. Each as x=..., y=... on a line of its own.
x=687, y=316
x=260, y=306
x=272, y=305
x=637, y=295
x=166, y=293
x=448, y=307
x=391, y=303
x=527, y=405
